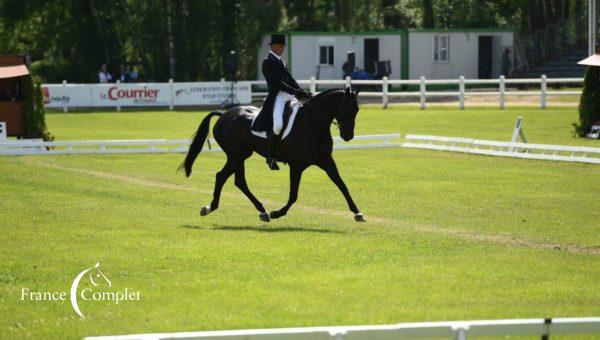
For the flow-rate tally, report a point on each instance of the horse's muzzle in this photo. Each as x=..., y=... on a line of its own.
x=347, y=138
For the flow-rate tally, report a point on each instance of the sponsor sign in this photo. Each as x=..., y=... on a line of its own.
x=70, y=95
x=131, y=95
x=151, y=94
x=211, y=93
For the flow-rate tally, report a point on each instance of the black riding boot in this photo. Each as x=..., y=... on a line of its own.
x=272, y=145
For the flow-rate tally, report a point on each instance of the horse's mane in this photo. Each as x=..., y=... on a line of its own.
x=324, y=93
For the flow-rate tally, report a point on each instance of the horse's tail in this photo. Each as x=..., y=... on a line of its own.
x=197, y=143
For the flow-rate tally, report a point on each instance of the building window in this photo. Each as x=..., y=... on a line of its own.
x=441, y=48
x=326, y=55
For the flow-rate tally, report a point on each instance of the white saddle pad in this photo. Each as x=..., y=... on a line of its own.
x=294, y=104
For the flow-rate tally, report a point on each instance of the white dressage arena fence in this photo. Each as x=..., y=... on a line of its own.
x=563, y=153
x=458, y=330
x=171, y=94
x=500, y=91
x=39, y=147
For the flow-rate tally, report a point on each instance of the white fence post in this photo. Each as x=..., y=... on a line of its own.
x=384, y=89
x=313, y=85
x=461, y=92
x=422, y=90
x=544, y=89
x=65, y=107
x=172, y=103
x=118, y=106
x=502, y=88
x=348, y=82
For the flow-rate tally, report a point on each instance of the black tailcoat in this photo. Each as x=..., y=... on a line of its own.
x=278, y=79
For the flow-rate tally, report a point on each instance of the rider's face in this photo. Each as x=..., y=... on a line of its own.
x=277, y=48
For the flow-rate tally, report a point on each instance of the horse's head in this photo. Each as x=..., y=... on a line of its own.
x=346, y=114
x=97, y=276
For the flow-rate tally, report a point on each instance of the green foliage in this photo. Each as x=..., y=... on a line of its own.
x=70, y=39
x=589, y=105
x=35, y=113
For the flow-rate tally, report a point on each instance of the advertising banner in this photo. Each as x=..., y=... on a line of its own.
x=110, y=95
x=150, y=94
x=69, y=95
x=211, y=93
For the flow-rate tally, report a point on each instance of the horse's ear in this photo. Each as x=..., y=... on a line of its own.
x=356, y=92
x=348, y=90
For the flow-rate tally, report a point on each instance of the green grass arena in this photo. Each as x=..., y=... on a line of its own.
x=448, y=236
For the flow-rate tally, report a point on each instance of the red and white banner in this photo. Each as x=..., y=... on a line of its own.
x=131, y=95
x=150, y=94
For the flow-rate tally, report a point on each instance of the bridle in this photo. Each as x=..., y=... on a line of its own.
x=338, y=112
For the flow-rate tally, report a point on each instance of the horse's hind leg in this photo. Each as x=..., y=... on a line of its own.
x=222, y=176
x=240, y=182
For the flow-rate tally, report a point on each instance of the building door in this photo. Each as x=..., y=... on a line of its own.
x=371, y=54
x=485, y=57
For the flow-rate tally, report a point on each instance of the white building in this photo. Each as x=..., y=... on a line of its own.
x=448, y=54
x=435, y=54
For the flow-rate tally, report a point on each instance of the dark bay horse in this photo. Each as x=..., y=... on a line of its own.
x=308, y=143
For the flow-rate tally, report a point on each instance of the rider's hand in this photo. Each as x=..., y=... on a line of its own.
x=301, y=94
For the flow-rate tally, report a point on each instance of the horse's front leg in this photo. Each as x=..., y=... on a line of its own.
x=328, y=164
x=295, y=176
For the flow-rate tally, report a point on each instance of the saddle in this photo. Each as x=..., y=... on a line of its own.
x=289, y=114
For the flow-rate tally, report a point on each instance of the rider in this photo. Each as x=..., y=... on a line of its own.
x=282, y=87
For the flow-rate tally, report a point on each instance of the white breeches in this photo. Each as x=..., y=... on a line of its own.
x=280, y=100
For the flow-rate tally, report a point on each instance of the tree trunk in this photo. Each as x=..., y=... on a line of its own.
x=550, y=17
x=428, y=17
x=171, y=39
x=100, y=32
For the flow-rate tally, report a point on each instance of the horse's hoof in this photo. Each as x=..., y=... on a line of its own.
x=205, y=211
x=359, y=218
x=275, y=214
x=264, y=217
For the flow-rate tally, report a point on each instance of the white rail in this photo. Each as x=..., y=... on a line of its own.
x=462, y=92
x=580, y=154
x=172, y=94
x=158, y=146
x=459, y=330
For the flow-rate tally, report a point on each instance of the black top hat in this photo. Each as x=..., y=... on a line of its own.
x=277, y=39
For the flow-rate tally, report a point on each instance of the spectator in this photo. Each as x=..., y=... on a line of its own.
x=124, y=75
x=104, y=76
x=133, y=75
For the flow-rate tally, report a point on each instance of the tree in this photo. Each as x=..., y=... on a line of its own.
x=35, y=113
x=589, y=104
x=428, y=18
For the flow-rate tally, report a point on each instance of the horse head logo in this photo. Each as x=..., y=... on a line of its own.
x=96, y=277
x=180, y=92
